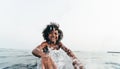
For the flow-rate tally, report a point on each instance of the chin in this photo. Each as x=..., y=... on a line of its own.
x=54, y=42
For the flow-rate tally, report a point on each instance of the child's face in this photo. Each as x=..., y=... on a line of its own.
x=53, y=36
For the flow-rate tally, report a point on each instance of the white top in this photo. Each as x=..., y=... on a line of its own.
x=61, y=59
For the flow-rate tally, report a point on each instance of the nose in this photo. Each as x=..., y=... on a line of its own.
x=53, y=35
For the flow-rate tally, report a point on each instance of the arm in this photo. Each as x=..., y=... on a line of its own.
x=47, y=62
x=68, y=51
x=76, y=63
x=38, y=51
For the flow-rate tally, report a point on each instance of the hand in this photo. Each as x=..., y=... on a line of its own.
x=77, y=65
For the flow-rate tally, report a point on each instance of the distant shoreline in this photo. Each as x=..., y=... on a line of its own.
x=112, y=52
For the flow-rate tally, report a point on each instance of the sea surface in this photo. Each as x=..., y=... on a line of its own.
x=23, y=59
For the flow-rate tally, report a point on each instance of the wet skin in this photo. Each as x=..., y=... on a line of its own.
x=47, y=62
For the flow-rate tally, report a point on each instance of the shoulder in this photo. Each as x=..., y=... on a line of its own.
x=43, y=44
x=60, y=44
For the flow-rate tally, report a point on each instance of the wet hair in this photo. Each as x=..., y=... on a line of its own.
x=50, y=28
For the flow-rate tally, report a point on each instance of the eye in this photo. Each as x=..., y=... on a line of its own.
x=56, y=33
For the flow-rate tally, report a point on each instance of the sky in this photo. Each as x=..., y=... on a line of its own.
x=87, y=25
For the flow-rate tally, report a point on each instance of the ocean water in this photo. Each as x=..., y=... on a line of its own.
x=23, y=59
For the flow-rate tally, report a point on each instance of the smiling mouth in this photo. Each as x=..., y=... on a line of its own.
x=53, y=38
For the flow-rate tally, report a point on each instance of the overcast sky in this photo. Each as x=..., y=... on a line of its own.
x=88, y=25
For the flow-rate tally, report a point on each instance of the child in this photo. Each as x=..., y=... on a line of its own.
x=49, y=50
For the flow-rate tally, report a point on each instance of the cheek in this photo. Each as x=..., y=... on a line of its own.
x=49, y=36
x=57, y=36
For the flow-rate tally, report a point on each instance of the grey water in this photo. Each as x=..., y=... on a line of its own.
x=23, y=59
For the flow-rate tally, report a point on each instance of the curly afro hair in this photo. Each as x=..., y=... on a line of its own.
x=50, y=28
